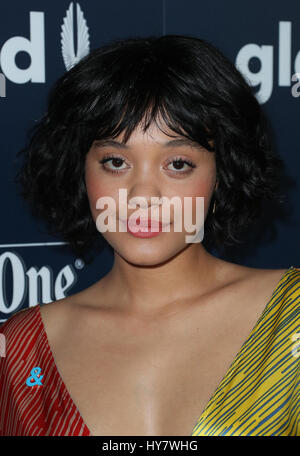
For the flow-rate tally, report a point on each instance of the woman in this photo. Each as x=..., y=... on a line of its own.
x=173, y=340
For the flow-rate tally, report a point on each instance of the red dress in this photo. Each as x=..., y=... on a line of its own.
x=33, y=410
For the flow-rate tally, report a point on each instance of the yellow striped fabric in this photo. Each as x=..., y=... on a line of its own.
x=260, y=393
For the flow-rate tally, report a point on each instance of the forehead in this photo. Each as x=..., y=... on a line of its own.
x=161, y=136
x=155, y=133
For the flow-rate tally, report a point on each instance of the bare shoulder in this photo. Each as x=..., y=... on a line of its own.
x=53, y=316
x=59, y=316
x=257, y=275
x=80, y=310
x=73, y=312
x=263, y=274
x=244, y=294
x=258, y=281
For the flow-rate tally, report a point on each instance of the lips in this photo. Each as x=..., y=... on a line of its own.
x=147, y=223
x=144, y=224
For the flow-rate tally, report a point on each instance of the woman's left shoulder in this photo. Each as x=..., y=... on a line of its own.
x=287, y=275
x=287, y=280
x=291, y=283
x=283, y=284
x=286, y=285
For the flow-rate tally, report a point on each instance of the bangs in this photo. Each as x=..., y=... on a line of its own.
x=147, y=85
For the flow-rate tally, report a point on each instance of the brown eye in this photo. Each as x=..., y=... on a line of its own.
x=115, y=161
x=178, y=163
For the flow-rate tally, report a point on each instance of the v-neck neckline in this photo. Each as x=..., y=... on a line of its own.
x=38, y=306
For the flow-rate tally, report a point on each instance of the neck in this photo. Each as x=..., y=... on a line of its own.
x=148, y=290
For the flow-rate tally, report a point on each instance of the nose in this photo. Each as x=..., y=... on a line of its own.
x=144, y=196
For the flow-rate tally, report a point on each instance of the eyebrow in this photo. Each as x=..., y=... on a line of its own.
x=180, y=142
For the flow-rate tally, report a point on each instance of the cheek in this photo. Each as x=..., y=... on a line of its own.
x=97, y=188
x=204, y=189
x=94, y=190
x=201, y=188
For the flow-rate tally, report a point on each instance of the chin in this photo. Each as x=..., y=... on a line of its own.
x=148, y=255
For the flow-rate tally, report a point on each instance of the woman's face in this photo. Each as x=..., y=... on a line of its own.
x=147, y=167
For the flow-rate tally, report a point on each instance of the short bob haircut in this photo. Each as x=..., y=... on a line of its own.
x=184, y=80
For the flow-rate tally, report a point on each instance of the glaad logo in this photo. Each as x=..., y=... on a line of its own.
x=32, y=285
x=35, y=47
x=265, y=76
x=67, y=37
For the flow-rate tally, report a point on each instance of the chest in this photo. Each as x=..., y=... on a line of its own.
x=156, y=383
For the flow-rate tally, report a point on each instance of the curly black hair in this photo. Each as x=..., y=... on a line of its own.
x=198, y=93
